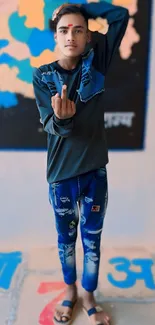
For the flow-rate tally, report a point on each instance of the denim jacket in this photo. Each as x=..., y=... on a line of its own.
x=92, y=81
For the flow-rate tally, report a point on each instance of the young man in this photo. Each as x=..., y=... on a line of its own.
x=69, y=96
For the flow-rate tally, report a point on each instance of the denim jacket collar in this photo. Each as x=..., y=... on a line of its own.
x=92, y=81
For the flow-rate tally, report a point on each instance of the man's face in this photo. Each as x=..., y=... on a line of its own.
x=72, y=35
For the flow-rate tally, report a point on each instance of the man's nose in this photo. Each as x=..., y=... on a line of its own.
x=70, y=35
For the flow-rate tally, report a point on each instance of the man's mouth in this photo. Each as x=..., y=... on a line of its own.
x=71, y=46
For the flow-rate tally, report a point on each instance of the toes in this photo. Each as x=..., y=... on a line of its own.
x=106, y=320
x=57, y=315
x=65, y=318
x=62, y=316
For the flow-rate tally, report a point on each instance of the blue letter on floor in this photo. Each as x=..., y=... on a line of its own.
x=123, y=265
x=8, y=265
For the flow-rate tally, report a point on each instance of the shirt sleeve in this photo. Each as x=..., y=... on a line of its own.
x=105, y=46
x=51, y=124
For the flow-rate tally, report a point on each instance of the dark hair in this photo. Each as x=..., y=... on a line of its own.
x=72, y=9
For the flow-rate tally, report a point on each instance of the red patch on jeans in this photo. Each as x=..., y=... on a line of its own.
x=95, y=208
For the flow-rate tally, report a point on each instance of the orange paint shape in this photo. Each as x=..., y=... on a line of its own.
x=46, y=316
x=46, y=287
x=122, y=2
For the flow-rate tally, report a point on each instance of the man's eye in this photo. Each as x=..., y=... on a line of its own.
x=63, y=31
x=78, y=31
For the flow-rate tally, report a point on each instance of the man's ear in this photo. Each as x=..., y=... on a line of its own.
x=88, y=36
x=55, y=37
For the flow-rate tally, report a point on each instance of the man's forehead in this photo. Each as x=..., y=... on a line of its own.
x=72, y=20
x=63, y=26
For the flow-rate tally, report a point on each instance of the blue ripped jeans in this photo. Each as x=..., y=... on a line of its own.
x=88, y=195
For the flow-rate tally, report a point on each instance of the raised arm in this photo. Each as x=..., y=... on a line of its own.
x=105, y=46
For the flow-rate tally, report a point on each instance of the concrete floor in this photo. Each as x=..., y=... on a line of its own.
x=133, y=314
x=124, y=314
x=31, y=285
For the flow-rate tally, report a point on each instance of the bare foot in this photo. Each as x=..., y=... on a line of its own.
x=63, y=313
x=98, y=318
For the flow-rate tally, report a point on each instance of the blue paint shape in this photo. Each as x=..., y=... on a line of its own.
x=3, y=43
x=17, y=27
x=6, y=59
x=123, y=265
x=145, y=274
x=25, y=70
x=8, y=266
x=24, y=67
x=36, y=39
x=7, y=99
x=109, y=1
x=40, y=41
x=79, y=2
x=50, y=6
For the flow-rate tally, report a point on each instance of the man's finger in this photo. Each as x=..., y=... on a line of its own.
x=64, y=92
x=73, y=107
x=56, y=96
x=68, y=109
x=57, y=108
x=57, y=102
x=64, y=98
x=55, y=13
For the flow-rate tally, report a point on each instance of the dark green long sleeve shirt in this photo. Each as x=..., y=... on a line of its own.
x=78, y=145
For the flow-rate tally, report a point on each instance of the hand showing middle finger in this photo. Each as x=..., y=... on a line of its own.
x=73, y=106
x=57, y=108
x=53, y=101
x=64, y=98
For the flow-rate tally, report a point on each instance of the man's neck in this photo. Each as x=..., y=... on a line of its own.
x=69, y=63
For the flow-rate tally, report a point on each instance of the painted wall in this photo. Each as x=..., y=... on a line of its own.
x=26, y=218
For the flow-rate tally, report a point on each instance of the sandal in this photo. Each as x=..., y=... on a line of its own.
x=65, y=303
x=92, y=311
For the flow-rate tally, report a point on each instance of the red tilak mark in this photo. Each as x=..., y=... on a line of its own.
x=70, y=25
